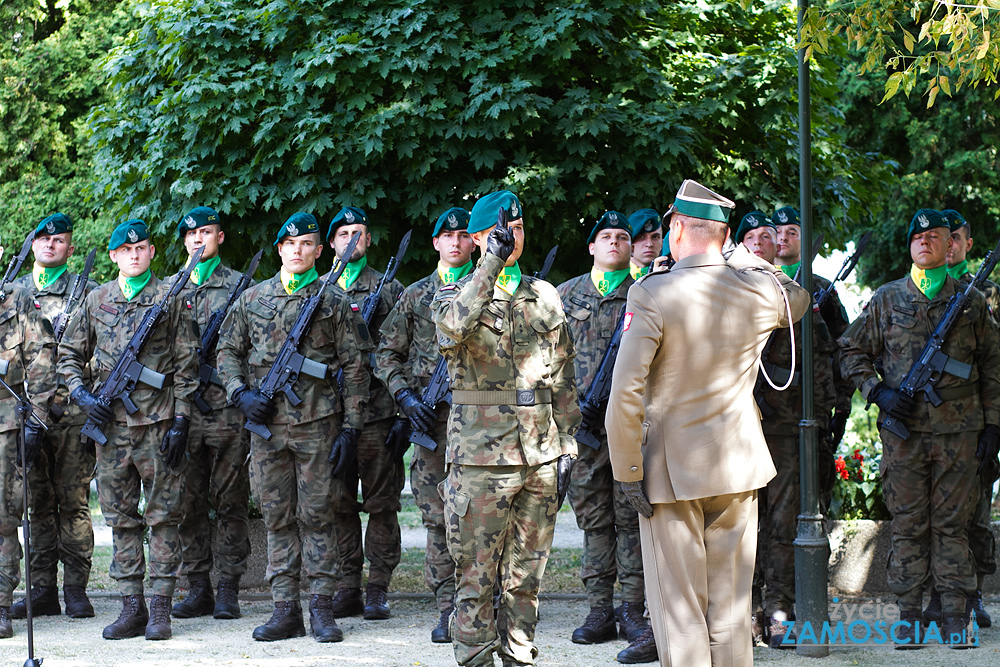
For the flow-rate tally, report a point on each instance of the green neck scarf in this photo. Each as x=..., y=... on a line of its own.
x=45, y=277
x=203, y=270
x=791, y=269
x=930, y=281
x=637, y=271
x=449, y=275
x=351, y=273
x=293, y=282
x=608, y=281
x=959, y=269
x=509, y=279
x=132, y=286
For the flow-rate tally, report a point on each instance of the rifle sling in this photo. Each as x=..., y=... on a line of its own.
x=520, y=397
x=779, y=375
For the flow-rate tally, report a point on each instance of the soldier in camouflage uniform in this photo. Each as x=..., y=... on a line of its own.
x=145, y=449
x=378, y=466
x=27, y=355
x=647, y=241
x=217, y=445
x=510, y=444
x=61, y=528
x=405, y=360
x=593, y=304
x=930, y=479
x=293, y=475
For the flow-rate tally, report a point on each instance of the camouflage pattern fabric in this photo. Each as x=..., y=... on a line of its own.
x=11, y=506
x=611, y=547
x=427, y=473
x=779, y=525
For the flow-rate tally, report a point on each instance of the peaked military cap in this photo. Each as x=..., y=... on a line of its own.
x=954, y=219
x=199, y=216
x=349, y=215
x=484, y=213
x=610, y=220
x=299, y=224
x=786, y=215
x=644, y=221
x=695, y=200
x=753, y=220
x=924, y=219
x=453, y=219
x=57, y=223
x=130, y=231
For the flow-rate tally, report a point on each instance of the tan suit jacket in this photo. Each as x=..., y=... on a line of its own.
x=682, y=414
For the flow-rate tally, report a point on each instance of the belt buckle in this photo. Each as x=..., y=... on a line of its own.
x=525, y=397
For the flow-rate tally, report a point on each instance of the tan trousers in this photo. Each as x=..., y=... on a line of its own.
x=698, y=557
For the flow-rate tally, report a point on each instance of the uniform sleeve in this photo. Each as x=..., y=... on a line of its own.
x=860, y=345
x=988, y=363
x=457, y=307
x=565, y=406
x=824, y=348
x=393, y=347
x=232, y=348
x=39, y=350
x=798, y=299
x=76, y=348
x=353, y=350
x=186, y=343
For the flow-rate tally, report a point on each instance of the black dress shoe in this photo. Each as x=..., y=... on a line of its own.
x=285, y=623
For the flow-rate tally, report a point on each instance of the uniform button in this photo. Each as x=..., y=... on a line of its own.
x=634, y=468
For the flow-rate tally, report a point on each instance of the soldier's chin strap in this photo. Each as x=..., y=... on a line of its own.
x=791, y=336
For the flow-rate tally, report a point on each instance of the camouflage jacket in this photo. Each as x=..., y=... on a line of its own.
x=990, y=290
x=892, y=331
x=835, y=316
x=407, y=351
x=496, y=342
x=99, y=332
x=380, y=403
x=29, y=355
x=258, y=325
x=50, y=302
x=201, y=301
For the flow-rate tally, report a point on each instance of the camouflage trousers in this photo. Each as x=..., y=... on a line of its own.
x=382, y=477
x=500, y=524
x=128, y=463
x=427, y=471
x=11, y=506
x=981, y=538
x=779, y=511
x=611, y=547
x=293, y=484
x=216, y=477
x=61, y=528
x=930, y=486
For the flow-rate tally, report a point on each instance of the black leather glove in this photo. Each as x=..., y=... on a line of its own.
x=593, y=416
x=838, y=425
x=344, y=450
x=175, y=441
x=564, y=471
x=398, y=439
x=892, y=401
x=34, y=438
x=423, y=417
x=636, y=497
x=500, y=242
x=98, y=412
x=987, y=451
x=257, y=407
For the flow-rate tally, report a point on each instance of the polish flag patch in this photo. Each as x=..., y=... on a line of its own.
x=354, y=307
x=627, y=321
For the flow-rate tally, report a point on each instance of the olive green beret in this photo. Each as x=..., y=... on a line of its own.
x=610, y=220
x=198, y=217
x=695, y=200
x=57, y=223
x=130, y=231
x=786, y=215
x=753, y=220
x=954, y=219
x=349, y=215
x=299, y=224
x=644, y=221
x=484, y=213
x=454, y=219
x=924, y=219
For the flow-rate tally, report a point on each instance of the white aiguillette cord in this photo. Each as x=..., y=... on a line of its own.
x=791, y=333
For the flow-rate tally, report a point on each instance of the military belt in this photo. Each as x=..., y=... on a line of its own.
x=521, y=397
x=955, y=393
x=779, y=375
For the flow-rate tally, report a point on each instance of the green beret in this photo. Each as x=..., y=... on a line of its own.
x=954, y=219
x=924, y=219
x=57, y=223
x=130, y=231
x=610, y=220
x=484, y=213
x=786, y=215
x=299, y=224
x=695, y=200
x=349, y=215
x=454, y=219
x=198, y=217
x=644, y=221
x=753, y=220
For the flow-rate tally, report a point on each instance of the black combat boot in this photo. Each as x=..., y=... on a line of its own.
x=598, y=627
x=198, y=602
x=77, y=603
x=347, y=602
x=285, y=623
x=975, y=604
x=442, y=633
x=44, y=602
x=324, y=626
x=642, y=649
x=132, y=621
x=933, y=610
x=227, y=603
x=631, y=622
x=376, y=603
x=159, y=618
x=905, y=633
x=6, y=629
x=955, y=632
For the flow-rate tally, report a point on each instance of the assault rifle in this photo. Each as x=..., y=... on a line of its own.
x=596, y=398
x=289, y=364
x=208, y=374
x=75, y=295
x=933, y=362
x=14, y=266
x=550, y=258
x=127, y=371
x=822, y=296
